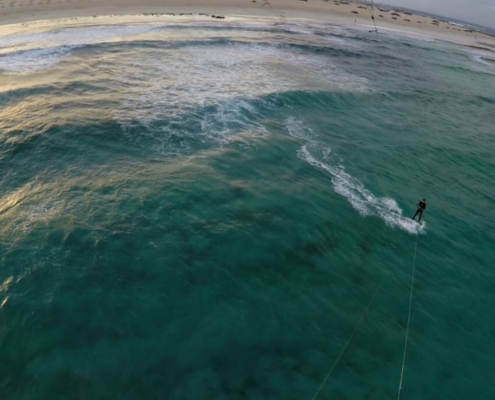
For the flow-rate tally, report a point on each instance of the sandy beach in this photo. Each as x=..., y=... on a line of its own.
x=74, y=12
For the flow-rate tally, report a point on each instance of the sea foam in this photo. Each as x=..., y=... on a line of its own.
x=362, y=199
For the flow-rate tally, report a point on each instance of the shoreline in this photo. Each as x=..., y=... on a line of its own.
x=20, y=15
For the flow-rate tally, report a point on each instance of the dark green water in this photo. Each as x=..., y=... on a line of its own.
x=205, y=211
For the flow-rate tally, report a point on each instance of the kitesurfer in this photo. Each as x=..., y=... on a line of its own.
x=419, y=211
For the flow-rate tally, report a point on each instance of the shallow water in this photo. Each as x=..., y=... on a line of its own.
x=192, y=211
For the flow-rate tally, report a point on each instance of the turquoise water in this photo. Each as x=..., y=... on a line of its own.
x=204, y=211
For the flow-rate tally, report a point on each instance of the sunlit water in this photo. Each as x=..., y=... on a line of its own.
x=204, y=211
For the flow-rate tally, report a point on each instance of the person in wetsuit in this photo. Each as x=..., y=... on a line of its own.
x=419, y=211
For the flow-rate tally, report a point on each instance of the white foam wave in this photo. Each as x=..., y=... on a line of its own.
x=227, y=121
x=361, y=199
x=75, y=35
x=297, y=29
x=188, y=82
x=299, y=130
x=34, y=60
x=338, y=30
x=40, y=51
x=481, y=60
x=401, y=33
x=481, y=56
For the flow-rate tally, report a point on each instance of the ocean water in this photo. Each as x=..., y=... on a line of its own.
x=204, y=210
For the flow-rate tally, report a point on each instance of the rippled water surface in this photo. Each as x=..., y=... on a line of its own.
x=204, y=211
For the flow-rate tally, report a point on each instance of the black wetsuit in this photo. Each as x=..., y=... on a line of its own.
x=421, y=208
